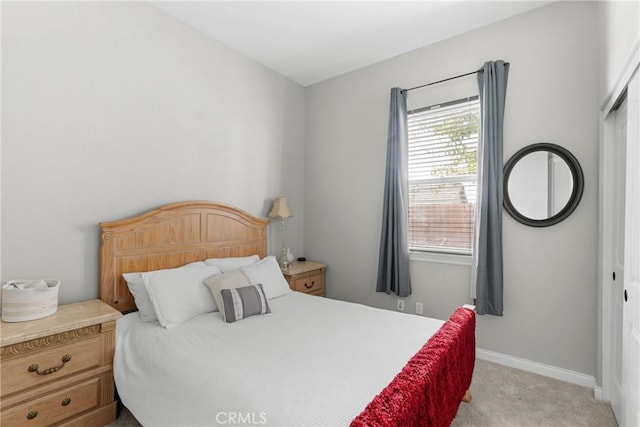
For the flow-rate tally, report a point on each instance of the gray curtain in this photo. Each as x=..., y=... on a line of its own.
x=393, y=261
x=492, y=82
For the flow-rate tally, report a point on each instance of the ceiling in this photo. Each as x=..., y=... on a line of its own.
x=313, y=41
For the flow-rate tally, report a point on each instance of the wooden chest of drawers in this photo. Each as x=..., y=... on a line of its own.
x=307, y=277
x=59, y=369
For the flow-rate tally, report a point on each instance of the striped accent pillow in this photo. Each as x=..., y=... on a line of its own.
x=243, y=302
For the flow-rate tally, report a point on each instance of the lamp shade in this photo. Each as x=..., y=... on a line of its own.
x=280, y=208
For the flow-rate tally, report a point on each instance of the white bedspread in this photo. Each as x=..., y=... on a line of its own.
x=312, y=361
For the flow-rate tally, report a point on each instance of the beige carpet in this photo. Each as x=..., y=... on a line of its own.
x=510, y=397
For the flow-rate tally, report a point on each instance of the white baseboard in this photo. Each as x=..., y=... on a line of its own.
x=597, y=393
x=541, y=369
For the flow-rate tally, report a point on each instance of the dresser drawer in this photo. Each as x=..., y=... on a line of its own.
x=38, y=367
x=56, y=406
x=312, y=284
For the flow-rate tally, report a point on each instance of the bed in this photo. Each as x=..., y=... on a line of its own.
x=309, y=361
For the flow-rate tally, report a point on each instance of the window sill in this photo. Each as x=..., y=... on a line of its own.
x=439, y=257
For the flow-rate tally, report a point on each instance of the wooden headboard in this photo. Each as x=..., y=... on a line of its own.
x=171, y=236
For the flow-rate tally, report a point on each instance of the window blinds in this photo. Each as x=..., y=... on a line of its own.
x=443, y=142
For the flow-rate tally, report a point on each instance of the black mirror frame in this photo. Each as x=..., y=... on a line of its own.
x=576, y=193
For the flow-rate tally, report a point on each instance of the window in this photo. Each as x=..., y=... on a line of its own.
x=443, y=146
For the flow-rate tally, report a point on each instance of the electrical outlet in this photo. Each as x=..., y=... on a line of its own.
x=418, y=308
x=400, y=305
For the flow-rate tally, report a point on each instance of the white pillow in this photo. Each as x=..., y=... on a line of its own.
x=232, y=263
x=179, y=294
x=268, y=273
x=141, y=296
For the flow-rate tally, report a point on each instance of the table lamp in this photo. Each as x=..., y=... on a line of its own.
x=281, y=210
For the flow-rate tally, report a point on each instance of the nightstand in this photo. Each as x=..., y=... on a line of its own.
x=307, y=277
x=59, y=369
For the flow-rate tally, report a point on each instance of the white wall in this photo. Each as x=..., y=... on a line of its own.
x=110, y=109
x=550, y=274
x=619, y=28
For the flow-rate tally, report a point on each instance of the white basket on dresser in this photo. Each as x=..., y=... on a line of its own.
x=24, y=300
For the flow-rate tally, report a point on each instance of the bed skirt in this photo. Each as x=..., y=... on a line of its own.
x=429, y=389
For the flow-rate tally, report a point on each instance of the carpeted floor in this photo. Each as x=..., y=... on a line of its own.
x=509, y=397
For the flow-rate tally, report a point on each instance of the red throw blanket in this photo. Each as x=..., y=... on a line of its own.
x=428, y=390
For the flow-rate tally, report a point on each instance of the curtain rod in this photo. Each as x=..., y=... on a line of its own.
x=446, y=80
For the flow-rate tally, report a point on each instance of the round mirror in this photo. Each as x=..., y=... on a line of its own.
x=543, y=184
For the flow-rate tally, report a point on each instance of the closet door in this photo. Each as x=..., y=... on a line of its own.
x=616, y=276
x=631, y=294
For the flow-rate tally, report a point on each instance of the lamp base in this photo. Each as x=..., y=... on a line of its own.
x=283, y=261
x=284, y=264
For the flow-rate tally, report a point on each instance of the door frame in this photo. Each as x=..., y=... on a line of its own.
x=605, y=245
x=605, y=210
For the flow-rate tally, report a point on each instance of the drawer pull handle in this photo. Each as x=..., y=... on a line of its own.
x=309, y=286
x=31, y=415
x=35, y=367
x=65, y=401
